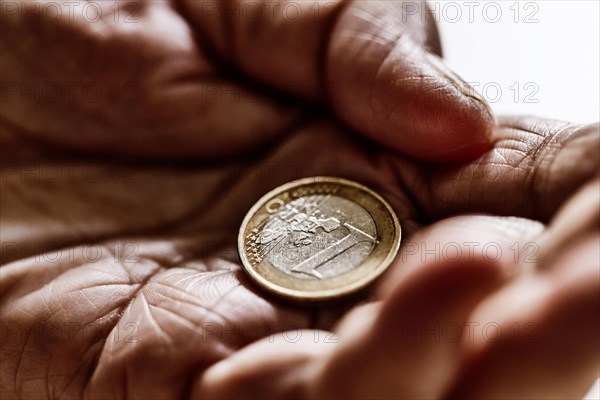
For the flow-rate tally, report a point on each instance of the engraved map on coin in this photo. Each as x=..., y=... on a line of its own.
x=316, y=237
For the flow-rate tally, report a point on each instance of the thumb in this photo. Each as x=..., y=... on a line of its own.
x=385, y=83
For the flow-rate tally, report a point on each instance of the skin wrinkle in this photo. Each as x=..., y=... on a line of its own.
x=540, y=147
x=209, y=309
x=81, y=366
x=376, y=80
x=504, y=160
x=127, y=304
x=545, y=153
x=187, y=323
x=159, y=227
x=509, y=145
x=551, y=155
x=49, y=285
x=155, y=325
x=186, y=253
x=17, y=384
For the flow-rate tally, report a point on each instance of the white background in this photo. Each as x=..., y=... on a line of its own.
x=552, y=45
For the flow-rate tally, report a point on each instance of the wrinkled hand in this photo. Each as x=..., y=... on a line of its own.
x=121, y=278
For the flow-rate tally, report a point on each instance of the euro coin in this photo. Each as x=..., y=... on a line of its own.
x=318, y=239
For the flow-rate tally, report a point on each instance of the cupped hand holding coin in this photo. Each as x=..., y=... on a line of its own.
x=121, y=275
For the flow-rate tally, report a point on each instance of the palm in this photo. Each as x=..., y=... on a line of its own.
x=160, y=297
x=163, y=285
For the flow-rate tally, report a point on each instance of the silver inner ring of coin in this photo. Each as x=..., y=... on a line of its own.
x=317, y=237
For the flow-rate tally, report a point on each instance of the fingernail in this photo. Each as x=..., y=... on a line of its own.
x=459, y=83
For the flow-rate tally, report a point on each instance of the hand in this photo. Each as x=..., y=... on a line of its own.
x=158, y=305
x=163, y=287
x=208, y=79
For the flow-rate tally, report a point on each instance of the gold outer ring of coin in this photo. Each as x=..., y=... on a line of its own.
x=384, y=250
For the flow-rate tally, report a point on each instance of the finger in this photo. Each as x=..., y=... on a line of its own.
x=497, y=240
x=367, y=57
x=133, y=82
x=535, y=165
x=548, y=347
x=384, y=83
x=412, y=341
x=575, y=219
x=546, y=323
x=271, y=368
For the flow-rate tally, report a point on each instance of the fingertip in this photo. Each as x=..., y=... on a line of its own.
x=459, y=244
x=462, y=130
x=407, y=99
x=271, y=368
x=456, y=121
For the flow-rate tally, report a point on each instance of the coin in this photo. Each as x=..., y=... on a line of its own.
x=318, y=238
